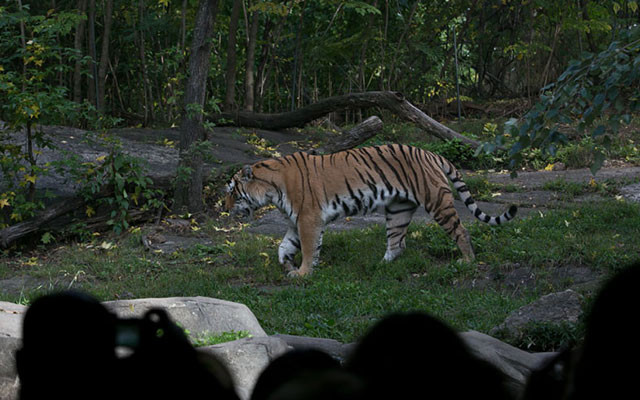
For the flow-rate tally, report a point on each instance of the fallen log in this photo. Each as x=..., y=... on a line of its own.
x=353, y=137
x=14, y=232
x=392, y=101
x=49, y=217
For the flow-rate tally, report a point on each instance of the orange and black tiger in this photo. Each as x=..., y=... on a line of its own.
x=312, y=190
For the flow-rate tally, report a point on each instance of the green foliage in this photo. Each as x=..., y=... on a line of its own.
x=599, y=92
x=29, y=99
x=545, y=337
x=117, y=173
x=460, y=154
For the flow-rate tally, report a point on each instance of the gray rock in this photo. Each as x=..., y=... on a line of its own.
x=8, y=347
x=337, y=350
x=554, y=308
x=516, y=364
x=8, y=373
x=631, y=192
x=246, y=358
x=9, y=388
x=197, y=314
x=11, y=319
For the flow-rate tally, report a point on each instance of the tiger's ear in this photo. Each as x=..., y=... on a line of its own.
x=247, y=173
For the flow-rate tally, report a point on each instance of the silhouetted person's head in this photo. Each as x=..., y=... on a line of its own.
x=607, y=363
x=68, y=348
x=290, y=365
x=416, y=355
x=69, y=352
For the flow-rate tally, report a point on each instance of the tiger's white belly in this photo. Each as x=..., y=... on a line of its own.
x=362, y=201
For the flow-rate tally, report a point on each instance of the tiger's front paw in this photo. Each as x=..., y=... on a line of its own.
x=298, y=273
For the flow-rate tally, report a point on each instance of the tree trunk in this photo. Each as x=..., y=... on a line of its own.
x=104, y=55
x=265, y=58
x=146, y=86
x=392, y=101
x=249, y=80
x=183, y=25
x=77, y=45
x=91, y=43
x=189, y=182
x=232, y=59
x=296, y=56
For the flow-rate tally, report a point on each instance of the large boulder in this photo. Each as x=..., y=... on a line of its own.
x=197, y=314
x=514, y=363
x=246, y=358
x=8, y=373
x=11, y=319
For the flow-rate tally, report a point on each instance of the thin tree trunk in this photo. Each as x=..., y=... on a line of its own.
x=249, y=80
x=91, y=43
x=146, y=86
x=104, y=55
x=232, y=59
x=117, y=87
x=383, y=44
x=188, y=191
x=183, y=25
x=296, y=57
x=77, y=45
x=392, y=69
x=261, y=74
x=23, y=42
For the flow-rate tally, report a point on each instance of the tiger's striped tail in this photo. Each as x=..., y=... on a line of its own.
x=456, y=178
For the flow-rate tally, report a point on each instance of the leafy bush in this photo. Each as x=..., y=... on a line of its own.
x=123, y=177
x=597, y=93
x=460, y=154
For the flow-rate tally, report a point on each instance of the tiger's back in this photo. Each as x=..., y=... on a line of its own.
x=315, y=189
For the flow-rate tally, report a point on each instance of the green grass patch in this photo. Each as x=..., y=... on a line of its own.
x=210, y=339
x=351, y=289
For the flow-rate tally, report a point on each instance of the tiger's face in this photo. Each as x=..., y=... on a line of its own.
x=241, y=198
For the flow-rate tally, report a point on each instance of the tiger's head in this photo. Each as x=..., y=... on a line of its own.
x=245, y=193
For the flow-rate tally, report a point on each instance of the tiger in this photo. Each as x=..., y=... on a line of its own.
x=313, y=190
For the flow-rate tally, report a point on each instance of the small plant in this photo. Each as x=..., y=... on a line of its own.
x=544, y=337
x=210, y=339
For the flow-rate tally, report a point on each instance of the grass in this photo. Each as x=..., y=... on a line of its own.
x=351, y=288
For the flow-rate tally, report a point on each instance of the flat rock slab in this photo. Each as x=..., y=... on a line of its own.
x=197, y=314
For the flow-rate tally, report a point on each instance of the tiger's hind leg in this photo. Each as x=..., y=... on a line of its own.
x=398, y=216
x=447, y=217
x=289, y=247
